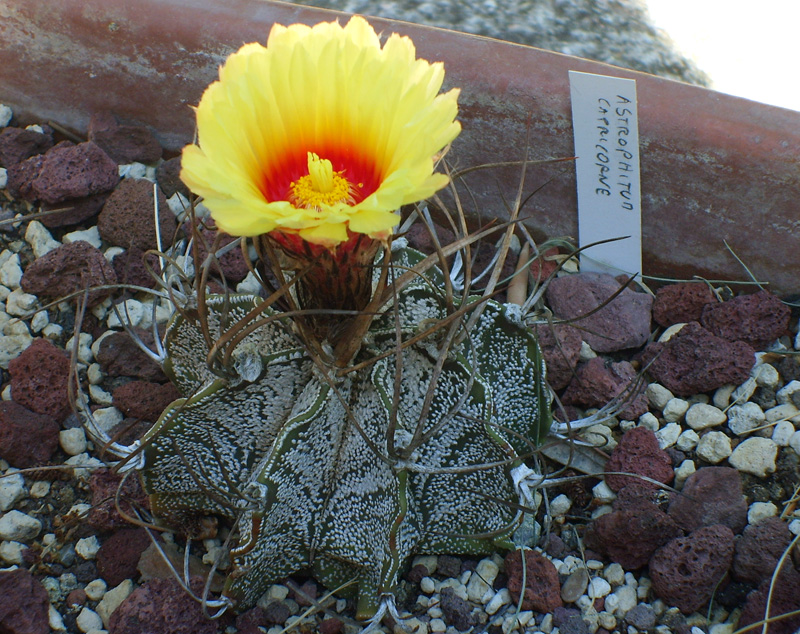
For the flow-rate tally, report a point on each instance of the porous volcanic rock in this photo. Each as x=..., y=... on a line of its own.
x=71, y=267
x=127, y=217
x=457, y=612
x=119, y=355
x=104, y=485
x=39, y=379
x=694, y=360
x=72, y=211
x=232, y=264
x=711, y=495
x=168, y=175
x=597, y=382
x=19, y=144
x=74, y=171
x=757, y=319
x=561, y=347
x=144, y=399
x=24, y=603
x=785, y=598
x=125, y=142
x=631, y=535
x=27, y=439
x=623, y=323
x=130, y=267
x=162, y=606
x=759, y=548
x=119, y=555
x=638, y=453
x=542, y=587
x=686, y=571
x=681, y=302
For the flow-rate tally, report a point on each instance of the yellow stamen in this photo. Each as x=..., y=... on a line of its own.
x=321, y=186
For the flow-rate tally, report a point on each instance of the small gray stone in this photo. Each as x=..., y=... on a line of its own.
x=642, y=617
x=12, y=489
x=784, y=395
x=575, y=585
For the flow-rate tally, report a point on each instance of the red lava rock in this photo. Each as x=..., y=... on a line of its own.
x=569, y=621
x=143, y=399
x=623, y=323
x=759, y=548
x=333, y=626
x=69, y=268
x=39, y=377
x=103, y=484
x=162, y=606
x=757, y=319
x=686, y=571
x=77, y=597
x=785, y=598
x=119, y=355
x=544, y=265
x=127, y=217
x=232, y=263
x=21, y=177
x=682, y=302
x=457, y=611
x=711, y=495
x=542, y=589
x=695, y=360
x=561, y=347
x=119, y=555
x=638, y=453
x=597, y=383
x=19, y=144
x=124, y=142
x=130, y=267
x=74, y=171
x=632, y=534
x=27, y=439
x=24, y=604
x=168, y=176
x=73, y=211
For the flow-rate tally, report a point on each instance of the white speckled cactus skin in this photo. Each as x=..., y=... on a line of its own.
x=348, y=474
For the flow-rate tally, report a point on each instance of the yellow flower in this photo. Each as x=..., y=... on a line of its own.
x=321, y=134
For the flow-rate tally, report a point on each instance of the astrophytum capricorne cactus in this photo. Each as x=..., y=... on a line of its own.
x=347, y=474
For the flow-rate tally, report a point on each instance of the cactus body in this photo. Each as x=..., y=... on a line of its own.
x=348, y=474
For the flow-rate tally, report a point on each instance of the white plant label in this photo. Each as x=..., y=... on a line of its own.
x=604, y=119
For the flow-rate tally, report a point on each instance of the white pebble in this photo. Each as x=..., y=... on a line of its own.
x=649, y=421
x=598, y=587
x=107, y=418
x=603, y=493
x=427, y=585
x=722, y=396
x=72, y=441
x=607, y=621
x=485, y=573
x=10, y=270
x=614, y=574
x=111, y=252
x=11, y=553
x=52, y=331
x=437, y=625
x=94, y=373
x=658, y=396
x=16, y=327
x=83, y=464
x=714, y=447
x=88, y=620
x=54, y=619
x=755, y=456
x=784, y=395
x=684, y=470
x=501, y=598
x=40, y=489
x=178, y=205
x=85, y=355
x=131, y=312
x=586, y=353
x=670, y=332
x=19, y=303
x=435, y=612
x=40, y=239
x=743, y=419
x=761, y=510
x=95, y=589
x=644, y=588
x=6, y=114
x=11, y=346
x=743, y=393
x=133, y=170
x=600, y=511
x=794, y=442
x=687, y=440
x=675, y=409
x=100, y=396
x=277, y=592
x=92, y=236
x=787, y=411
x=767, y=376
x=17, y=526
x=87, y=547
x=782, y=433
x=794, y=527
x=560, y=506
x=39, y=321
x=701, y=416
x=668, y=435
x=12, y=489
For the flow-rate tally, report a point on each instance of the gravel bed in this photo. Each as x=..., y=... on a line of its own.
x=736, y=446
